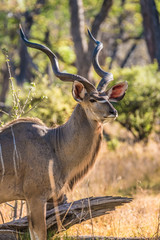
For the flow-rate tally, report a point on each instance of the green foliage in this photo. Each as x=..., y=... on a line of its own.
x=56, y=106
x=24, y=236
x=52, y=103
x=130, y=12
x=139, y=110
x=157, y=5
x=149, y=182
x=32, y=99
x=113, y=144
x=17, y=108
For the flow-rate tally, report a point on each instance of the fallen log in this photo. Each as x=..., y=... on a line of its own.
x=70, y=214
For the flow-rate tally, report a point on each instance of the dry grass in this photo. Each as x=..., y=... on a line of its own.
x=137, y=219
x=129, y=169
x=7, y=212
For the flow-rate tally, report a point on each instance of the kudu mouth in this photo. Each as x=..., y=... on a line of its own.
x=114, y=116
x=112, y=113
x=110, y=118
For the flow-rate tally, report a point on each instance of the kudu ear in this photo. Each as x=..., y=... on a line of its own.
x=117, y=92
x=78, y=91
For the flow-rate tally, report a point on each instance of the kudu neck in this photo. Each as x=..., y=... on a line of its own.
x=80, y=119
x=79, y=128
x=77, y=141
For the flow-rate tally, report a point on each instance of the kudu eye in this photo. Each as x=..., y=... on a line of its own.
x=92, y=100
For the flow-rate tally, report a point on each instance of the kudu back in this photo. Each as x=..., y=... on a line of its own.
x=37, y=162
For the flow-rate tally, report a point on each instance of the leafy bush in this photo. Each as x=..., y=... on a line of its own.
x=113, y=144
x=139, y=110
x=52, y=103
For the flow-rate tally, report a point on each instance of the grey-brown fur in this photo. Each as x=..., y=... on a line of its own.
x=15, y=121
x=66, y=145
x=79, y=175
x=71, y=147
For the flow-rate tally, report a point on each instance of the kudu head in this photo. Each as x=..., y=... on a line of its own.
x=95, y=101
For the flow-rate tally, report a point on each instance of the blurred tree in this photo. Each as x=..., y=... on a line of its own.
x=11, y=16
x=151, y=28
x=82, y=49
x=120, y=18
x=124, y=35
x=25, y=60
x=138, y=111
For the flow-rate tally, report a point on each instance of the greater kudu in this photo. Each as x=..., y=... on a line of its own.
x=37, y=162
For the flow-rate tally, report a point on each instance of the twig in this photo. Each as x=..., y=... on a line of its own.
x=27, y=100
x=90, y=212
x=2, y=216
x=9, y=205
x=4, y=112
x=16, y=104
x=67, y=212
x=21, y=208
x=33, y=107
x=15, y=210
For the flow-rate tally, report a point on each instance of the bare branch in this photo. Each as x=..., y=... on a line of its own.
x=99, y=19
x=78, y=33
x=25, y=70
x=130, y=51
x=119, y=35
x=101, y=16
x=84, y=52
x=151, y=28
x=124, y=40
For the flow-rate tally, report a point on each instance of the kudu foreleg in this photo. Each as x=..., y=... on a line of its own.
x=37, y=219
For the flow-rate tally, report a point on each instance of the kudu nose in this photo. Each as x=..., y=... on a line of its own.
x=113, y=112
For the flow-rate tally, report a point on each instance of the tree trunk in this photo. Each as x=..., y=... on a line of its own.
x=5, y=83
x=70, y=214
x=25, y=66
x=151, y=28
x=78, y=35
x=82, y=50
